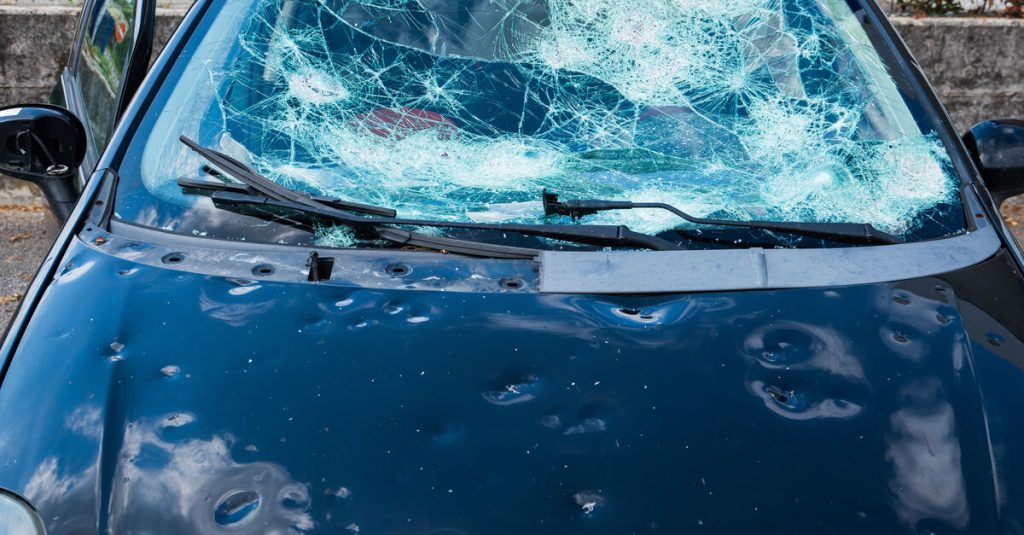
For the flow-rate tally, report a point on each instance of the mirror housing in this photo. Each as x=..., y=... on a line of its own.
x=997, y=147
x=44, y=145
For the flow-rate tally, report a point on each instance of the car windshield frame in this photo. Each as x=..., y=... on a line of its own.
x=136, y=204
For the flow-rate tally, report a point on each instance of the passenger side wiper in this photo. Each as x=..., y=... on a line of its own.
x=854, y=233
x=274, y=197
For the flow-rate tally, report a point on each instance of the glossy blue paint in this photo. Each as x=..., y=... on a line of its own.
x=138, y=397
x=145, y=398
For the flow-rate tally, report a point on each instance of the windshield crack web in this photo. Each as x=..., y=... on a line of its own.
x=465, y=110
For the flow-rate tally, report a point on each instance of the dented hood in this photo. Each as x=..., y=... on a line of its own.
x=147, y=399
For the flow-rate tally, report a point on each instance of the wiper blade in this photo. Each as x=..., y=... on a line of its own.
x=270, y=209
x=599, y=235
x=193, y=186
x=264, y=185
x=274, y=196
x=855, y=233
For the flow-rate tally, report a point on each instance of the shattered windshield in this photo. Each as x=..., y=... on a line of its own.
x=466, y=110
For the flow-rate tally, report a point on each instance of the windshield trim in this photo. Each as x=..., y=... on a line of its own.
x=759, y=269
x=562, y=272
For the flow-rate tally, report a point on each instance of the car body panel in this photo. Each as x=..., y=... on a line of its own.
x=144, y=398
x=175, y=399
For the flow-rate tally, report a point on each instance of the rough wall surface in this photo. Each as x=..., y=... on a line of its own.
x=35, y=43
x=956, y=53
x=974, y=64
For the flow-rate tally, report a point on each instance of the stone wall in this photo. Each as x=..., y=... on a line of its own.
x=35, y=46
x=974, y=63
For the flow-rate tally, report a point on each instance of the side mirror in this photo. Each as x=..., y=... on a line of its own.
x=44, y=145
x=997, y=147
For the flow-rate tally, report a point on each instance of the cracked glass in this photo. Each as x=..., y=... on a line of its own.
x=466, y=110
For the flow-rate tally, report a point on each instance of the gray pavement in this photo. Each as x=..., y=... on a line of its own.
x=26, y=233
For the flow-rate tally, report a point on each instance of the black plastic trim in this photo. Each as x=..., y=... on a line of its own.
x=138, y=59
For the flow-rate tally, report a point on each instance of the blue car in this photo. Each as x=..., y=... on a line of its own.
x=512, y=266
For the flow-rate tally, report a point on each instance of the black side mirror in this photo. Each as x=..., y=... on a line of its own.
x=997, y=147
x=44, y=145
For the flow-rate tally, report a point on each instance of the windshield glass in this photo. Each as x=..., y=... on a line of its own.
x=779, y=110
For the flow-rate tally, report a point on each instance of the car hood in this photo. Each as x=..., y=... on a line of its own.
x=148, y=399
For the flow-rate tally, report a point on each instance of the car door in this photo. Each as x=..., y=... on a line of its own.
x=109, y=58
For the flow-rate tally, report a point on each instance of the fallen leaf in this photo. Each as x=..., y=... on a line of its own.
x=21, y=208
x=20, y=237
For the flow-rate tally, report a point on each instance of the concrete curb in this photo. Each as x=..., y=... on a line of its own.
x=16, y=10
x=900, y=20
x=75, y=10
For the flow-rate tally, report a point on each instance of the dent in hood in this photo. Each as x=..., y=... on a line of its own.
x=148, y=399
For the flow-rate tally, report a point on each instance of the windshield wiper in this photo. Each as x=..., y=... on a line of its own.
x=270, y=198
x=263, y=207
x=854, y=233
x=264, y=185
x=198, y=187
x=598, y=235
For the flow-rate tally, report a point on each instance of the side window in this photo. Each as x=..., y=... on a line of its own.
x=109, y=25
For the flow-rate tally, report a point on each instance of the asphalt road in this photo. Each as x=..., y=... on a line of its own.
x=26, y=233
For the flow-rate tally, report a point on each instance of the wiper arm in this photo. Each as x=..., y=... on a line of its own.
x=200, y=187
x=856, y=233
x=269, y=209
x=599, y=235
x=272, y=195
x=264, y=185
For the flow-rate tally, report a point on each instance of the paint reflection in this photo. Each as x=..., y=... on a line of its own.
x=186, y=486
x=236, y=314
x=924, y=449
